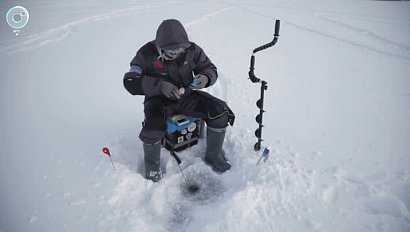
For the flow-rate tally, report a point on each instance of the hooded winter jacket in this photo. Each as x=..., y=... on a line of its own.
x=148, y=67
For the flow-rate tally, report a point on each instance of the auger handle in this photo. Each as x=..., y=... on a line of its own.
x=277, y=27
x=275, y=39
x=251, y=72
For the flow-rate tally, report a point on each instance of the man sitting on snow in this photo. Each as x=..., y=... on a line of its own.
x=169, y=71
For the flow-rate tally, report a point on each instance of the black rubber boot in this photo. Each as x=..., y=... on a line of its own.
x=152, y=161
x=214, y=155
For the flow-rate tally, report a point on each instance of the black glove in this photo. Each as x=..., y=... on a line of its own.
x=199, y=82
x=169, y=90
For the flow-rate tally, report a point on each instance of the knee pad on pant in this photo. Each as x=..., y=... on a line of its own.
x=155, y=112
x=219, y=122
x=155, y=123
x=151, y=137
x=153, y=129
x=220, y=115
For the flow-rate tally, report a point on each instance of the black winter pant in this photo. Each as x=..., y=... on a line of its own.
x=212, y=110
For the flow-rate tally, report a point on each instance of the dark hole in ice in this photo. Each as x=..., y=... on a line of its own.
x=17, y=18
x=193, y=188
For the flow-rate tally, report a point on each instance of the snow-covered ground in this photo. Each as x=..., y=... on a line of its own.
x=338, y=110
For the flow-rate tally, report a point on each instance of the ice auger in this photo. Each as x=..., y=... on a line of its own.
x=264, y=86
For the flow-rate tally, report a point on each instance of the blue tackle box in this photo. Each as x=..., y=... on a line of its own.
x=182, y=132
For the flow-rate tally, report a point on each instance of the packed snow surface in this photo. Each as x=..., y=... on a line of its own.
x=337, y=118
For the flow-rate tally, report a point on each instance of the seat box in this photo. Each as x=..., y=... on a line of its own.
x=182, y=132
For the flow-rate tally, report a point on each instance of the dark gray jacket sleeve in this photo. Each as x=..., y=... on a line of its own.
x=136, y=82
x=203, y=65
x=150, y=86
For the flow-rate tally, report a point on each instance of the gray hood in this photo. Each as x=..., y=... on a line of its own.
x=171, y=34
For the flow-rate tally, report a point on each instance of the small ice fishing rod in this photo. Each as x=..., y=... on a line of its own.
x=264, y=85
x=192, y=188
